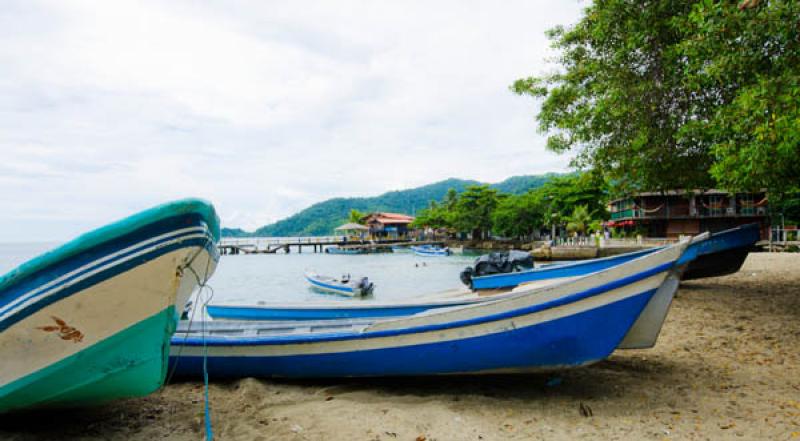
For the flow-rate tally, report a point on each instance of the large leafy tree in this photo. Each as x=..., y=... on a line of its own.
x=562, y=195
x=473, y=210
x=745, y=62
x=518, y=216
x=658, y=94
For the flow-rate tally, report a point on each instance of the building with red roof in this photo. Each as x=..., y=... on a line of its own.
x=387, y=225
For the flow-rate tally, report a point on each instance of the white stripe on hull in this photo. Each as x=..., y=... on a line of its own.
x=97, y=312
x=39, y=293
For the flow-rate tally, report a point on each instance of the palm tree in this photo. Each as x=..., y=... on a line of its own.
x=356, y=216
x=578, y=222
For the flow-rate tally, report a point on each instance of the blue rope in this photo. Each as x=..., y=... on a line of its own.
x=203, y=284
x=209, y=432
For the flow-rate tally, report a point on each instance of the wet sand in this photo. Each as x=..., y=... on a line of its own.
x=726, y=366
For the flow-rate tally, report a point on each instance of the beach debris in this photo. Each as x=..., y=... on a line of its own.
x=392, y=434
x=585, y=410
x=328, y=398
x=421, y=438
x=296, y=428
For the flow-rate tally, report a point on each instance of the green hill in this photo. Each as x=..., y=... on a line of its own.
x=322, y=217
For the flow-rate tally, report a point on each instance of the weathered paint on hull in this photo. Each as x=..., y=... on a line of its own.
x=128, y=364
x=90, y=321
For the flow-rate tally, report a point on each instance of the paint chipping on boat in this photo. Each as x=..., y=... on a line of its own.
x=65, y=332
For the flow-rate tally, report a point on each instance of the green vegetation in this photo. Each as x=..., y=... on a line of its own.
x=323, y=217
x=664, y=94
x=572, y=201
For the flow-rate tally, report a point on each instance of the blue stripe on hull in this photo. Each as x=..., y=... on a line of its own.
x=569, y=341
x=18, y=287
x=100, y=277
x=322, y=285
x=738, y=237
x=246, y=313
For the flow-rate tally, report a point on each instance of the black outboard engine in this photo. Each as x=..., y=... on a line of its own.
x=497, y=263
x=365, y=285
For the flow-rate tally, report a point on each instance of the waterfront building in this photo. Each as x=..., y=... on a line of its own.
x=384, y=225
x=678, y=212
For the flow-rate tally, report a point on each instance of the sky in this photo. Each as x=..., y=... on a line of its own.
x=263, y=108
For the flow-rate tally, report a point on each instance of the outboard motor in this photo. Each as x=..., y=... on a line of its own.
x=497, y=263
x=365, y=285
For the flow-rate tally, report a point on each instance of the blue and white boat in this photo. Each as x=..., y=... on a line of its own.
x=90, y=321
x=431, y=251
x=724, y=252
x=572, y=323
x=343, y=286
x=546, y=272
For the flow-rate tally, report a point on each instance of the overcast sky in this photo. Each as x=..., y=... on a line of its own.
x=264, y=108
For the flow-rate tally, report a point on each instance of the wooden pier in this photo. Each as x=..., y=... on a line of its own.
x=268, y=245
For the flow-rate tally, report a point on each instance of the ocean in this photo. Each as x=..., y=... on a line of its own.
x=278, y=278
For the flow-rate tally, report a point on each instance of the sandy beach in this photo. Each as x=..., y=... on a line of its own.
x=726, y=366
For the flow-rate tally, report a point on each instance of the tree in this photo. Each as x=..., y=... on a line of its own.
x=578, y=222
x=661, y=94
x=473, y=210
x=746, y=60
x=518, y=216
x=356, y=216
x=618, y=102
x=435, y=216
x=562, y=195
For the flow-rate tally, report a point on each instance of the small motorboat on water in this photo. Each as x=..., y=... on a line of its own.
x=90, y=321
x=573, y=322
x=431, y=251
x=345, y=285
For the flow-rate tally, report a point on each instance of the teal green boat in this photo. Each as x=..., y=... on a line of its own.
x=91, y=320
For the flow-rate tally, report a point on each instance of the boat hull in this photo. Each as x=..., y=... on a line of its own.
x=338, y=289
x=570, y=324
x=551, y=345
x=723, y=253
x=90, y=321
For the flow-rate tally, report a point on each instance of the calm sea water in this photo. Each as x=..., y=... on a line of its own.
x=247, y=279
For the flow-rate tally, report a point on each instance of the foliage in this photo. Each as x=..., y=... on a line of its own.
x=662, y=94
x=518, y=216
x=473, y=210
x=356, y=216
x=578, y=222
x=323, y=217
x=562, y=195
x=747, y=59
x=234, y=232
x=575, y=198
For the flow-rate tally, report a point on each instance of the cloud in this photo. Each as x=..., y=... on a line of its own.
x=261, y=107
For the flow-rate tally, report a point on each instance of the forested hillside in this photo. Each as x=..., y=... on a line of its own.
x=321, y=218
